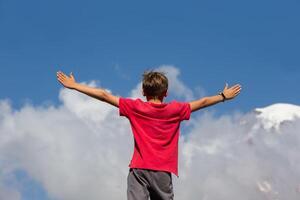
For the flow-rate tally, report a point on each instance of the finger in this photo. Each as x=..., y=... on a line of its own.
x=237, y=92
x=60, y=80
x=226, y=86
x=61, y=77
x=60, y=74
x=236, y=86
x=71, y=75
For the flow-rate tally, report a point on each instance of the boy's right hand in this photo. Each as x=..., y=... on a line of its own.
x=66, y=81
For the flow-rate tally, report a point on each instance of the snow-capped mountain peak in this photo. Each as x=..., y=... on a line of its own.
x=274, y=115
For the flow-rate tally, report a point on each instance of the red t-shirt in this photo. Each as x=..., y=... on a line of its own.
x=155, y=129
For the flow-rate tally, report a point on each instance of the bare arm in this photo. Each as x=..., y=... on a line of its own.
x=100, y=94
x=229, y=93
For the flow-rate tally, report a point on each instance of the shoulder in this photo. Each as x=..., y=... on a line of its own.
x=125, y=100
x=130, y=99
x=178, y=103
x=127, y=105
x=180, y=106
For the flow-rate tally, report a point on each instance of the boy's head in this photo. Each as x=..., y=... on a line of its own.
x=155, y=85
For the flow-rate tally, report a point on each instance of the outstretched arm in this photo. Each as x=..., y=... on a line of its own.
x=227, y=94
x=100, y=94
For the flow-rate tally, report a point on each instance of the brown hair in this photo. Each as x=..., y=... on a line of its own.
x=155, y=84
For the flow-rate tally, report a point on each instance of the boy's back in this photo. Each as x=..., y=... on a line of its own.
x=155, y=127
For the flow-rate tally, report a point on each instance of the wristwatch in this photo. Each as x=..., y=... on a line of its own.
x=222, y=94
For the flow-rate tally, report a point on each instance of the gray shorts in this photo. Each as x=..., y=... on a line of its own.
x=143, y=183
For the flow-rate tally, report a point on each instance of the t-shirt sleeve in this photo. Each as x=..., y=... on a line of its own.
x=125, y=106
x=185, y=111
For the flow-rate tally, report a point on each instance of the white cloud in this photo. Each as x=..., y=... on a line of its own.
x=54, y=145
x=137, y=92
x=6, y=192
x=9, y=193
x=223, y=158
x=176, y=86
x=85, y=145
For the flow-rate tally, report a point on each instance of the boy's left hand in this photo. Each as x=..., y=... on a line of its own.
x=232, y=92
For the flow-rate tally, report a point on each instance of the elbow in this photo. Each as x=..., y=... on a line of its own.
x=204, y=102
x=201, y=103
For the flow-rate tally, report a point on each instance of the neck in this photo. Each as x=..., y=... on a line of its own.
x=155, y=100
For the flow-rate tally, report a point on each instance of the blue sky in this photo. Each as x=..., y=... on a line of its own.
x=254, y=43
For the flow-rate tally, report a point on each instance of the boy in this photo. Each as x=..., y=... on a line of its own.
x=155, y=126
